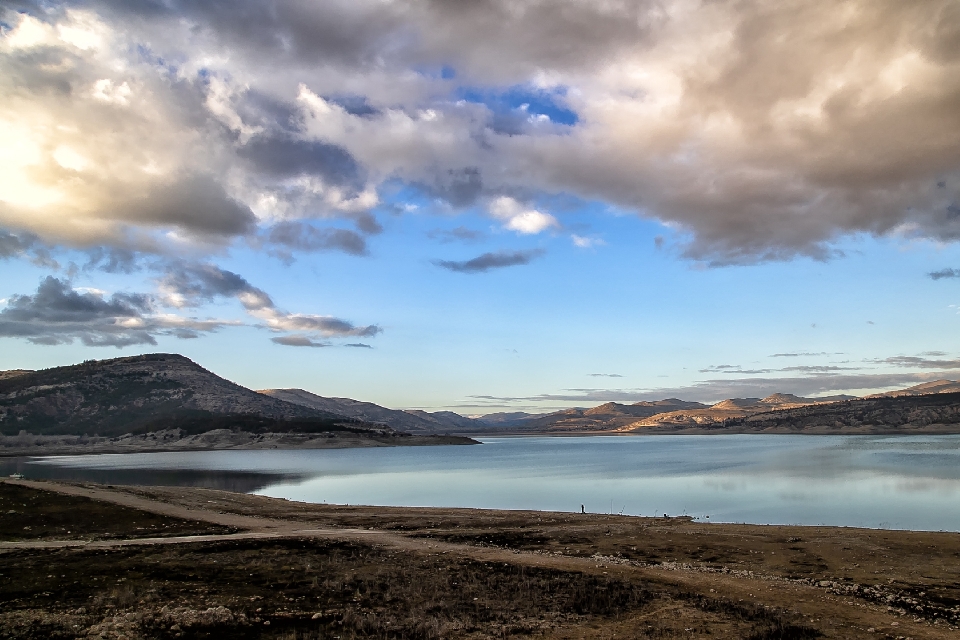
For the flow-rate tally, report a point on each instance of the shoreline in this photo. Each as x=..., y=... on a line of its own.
x=216, y=440
x=226, y=440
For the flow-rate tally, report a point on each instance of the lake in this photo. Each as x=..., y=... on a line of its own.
x=863, y=481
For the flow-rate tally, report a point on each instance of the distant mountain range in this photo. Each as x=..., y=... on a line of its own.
x=163, y=391
x=410, y=421
x=670, y=414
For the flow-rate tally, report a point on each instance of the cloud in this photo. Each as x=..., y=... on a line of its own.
x=189, y=285
x=922, y=363
x=460, y=233
x=584, y=242
x=515, y=217
x=59, y=314
x=488, y=261
x=710, y=391
x=28, y=245
x=944, y=273
x=299, y=236
x=604, y=375
x=799, y=355
x=298, y=341
x=358, y=345
x=758, y=130
x=738, y=370
x=325, y=326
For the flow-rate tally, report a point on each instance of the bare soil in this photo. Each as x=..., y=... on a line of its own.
x=253, y=567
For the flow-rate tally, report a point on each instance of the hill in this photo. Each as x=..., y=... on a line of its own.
x=937, y=386
x=726, y=410
x=904, y=413
x=143, y=393
x=411, y=421
x=605, y=417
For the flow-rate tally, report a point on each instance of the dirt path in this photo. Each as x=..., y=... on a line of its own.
x=835, y=616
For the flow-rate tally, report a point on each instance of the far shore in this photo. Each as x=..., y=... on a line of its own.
x=216, y=440
x=227, y=440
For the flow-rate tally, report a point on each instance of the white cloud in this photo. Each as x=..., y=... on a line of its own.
x=105, y=91
x=585, y=242
x=515, y=217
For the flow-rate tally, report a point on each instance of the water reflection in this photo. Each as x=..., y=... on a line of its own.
x=237, y=481
x=867, y=481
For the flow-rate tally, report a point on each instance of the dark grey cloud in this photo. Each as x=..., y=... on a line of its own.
x=488, y=261
x=287, y=156
x=190, y=285
x=298, y=341
x=521, y=37
x=26, y=245
x=368, y=224
x=459, y=187
x=59, y=314
x=322, y=325
x=196, y=203
x=460, y=233
x=112, y=260
x=301, y=236
x=944, y=273
x=358, y=345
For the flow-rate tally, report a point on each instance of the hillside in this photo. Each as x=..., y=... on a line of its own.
x=937, y=386
x=367, y=411
x=727, y=410
x=411, y=420
x=138, y=394
x=605, y=417
x=905, y=413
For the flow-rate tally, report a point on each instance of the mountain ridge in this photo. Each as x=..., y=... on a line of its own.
x=137, y=394
x=163, y=391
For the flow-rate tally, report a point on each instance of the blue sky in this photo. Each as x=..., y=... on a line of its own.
x=506, y=213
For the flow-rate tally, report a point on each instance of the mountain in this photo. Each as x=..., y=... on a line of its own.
x=937, y=412
x=937, y=386
x=143, y=393
x=605, y=417
x=366, y=411
x=726, y=410
x=413, y=421
x=506, y=418
x=447, y=420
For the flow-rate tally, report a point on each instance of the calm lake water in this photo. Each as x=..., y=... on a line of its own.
x=864, y=481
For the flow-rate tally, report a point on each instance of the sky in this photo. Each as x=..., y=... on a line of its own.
x=493, y=205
